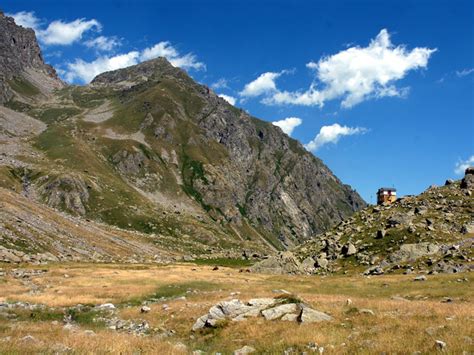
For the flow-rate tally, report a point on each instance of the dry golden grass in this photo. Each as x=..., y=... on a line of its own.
x=398, y=326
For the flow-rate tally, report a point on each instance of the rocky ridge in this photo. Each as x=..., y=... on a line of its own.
x=432, y=232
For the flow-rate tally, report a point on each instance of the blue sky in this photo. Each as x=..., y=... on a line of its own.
x=382, y=91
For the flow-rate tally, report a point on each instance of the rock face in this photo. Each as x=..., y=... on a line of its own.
x=19, y=52
x=268, y=308
x=249, y=173
x=432, y=232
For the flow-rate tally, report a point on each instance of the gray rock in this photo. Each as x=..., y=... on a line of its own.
x=145, y=309
x=245, y=350
x=366, y=311
x=309, y=315
x=290, y=317
x=420, y=278
x=349, y=249
x=440, y=345
x=308, y=265
x=322, y=262
x=106, y=306
x=279, y=311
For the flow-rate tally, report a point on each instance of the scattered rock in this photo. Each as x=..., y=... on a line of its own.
x=440, y=345
x=420, y=278
x=366, y=311
x=145, y=309
x=349, y=249
x=106, y=306
x=244, y=350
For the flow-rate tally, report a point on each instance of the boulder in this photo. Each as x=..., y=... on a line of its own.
x=467, y=182
x=279, y=311
x=322, y=263
x=309, y=315
x=282, y=263
x=413, y=251
x=308, y=265
x=349, y=249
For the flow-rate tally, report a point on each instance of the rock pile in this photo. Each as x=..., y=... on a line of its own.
x=285, y=309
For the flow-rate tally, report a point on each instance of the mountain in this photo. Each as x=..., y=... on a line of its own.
x=149, y=150
x=432, y=232
x=22, y=69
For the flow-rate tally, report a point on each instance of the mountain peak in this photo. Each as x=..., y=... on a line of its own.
x=136, y=74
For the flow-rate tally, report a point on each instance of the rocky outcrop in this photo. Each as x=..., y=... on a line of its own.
x=432, y=232
x=468, y=180
x=19, y=52
x=284, y=308
x=67, y=192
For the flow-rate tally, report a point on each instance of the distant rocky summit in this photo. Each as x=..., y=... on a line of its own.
x=432, y=232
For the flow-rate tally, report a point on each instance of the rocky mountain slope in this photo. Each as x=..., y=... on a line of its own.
x=147, y=149
x=433, y=232
x=22, y=69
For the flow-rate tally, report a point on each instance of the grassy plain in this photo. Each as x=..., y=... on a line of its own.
x=409, y=316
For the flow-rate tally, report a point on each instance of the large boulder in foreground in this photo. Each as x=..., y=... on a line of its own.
x=285, y=309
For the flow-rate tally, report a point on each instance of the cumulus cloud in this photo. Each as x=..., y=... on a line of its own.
x=332, y=134
x=464, y=72
x=58, y=32
x=65, y=33
x=288, y=124
x=462, y=165
x=352, y=75
x=165, y=49
x=265, y=83
x=230, y=99
x=26, y=19
x=86, y=71
x=103, y=43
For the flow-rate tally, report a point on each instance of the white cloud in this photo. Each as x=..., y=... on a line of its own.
x=230, y=99
x=464, y=72
x=353, y=75
x=265, y=83
x=288, y=124
x=220, y=84
x=65, y=33
x=86, y=71
x=57, y=32
x=102, y=43
x=26, y=19
x=332, y=134
x=462, y=165
x=165, y=49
